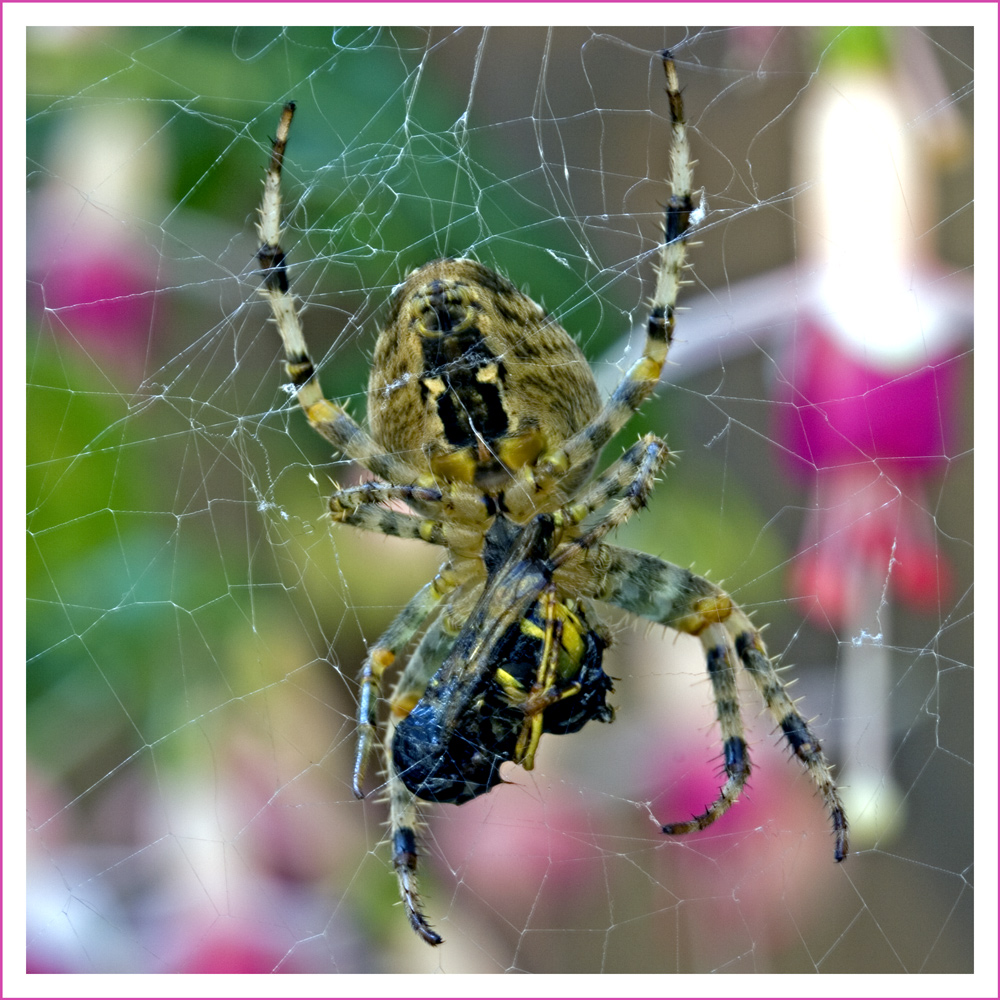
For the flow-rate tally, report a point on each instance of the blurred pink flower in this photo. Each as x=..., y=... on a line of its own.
x=92, y=271
x=869, y=438
x=872, y=376
x=101, y=294
x=545, y=838
x=758, y=869
x=238, y=947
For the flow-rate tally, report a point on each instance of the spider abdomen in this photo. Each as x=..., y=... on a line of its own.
x=463, y=375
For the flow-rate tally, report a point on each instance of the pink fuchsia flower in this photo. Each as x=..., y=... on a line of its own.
x=868, y=438
x=872, y=381
x=872, y=378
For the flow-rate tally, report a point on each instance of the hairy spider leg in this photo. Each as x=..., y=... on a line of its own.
x=629, y=480
x=330, y=420
x=673, y=596
x=454, y=515
x=795, y=729
x=404, y=816
x=643, y=376
x=382, y=655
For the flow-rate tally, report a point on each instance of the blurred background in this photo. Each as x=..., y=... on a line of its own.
x=195, y=628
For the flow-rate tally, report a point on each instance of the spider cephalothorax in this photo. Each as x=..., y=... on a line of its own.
x=486, y=422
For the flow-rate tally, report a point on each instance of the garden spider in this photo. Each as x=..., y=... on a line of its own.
x=487, y=423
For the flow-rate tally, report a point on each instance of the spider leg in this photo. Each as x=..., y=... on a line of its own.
x=671, y=595
x=383, y=654
x=329, y=419
x=643, y=376
x=795, y=728
x=399, y=524
x=403, y=804
x=736, y=761
x=629, y=480
x=454, y=518
x=403, y=820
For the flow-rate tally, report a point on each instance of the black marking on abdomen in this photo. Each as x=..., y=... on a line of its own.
x=470, y=406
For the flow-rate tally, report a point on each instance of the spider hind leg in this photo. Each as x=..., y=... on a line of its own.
x=674, y=596
x=797, y=733
x=735, y=756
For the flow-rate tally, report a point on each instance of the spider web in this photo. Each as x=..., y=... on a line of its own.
x=194, y=629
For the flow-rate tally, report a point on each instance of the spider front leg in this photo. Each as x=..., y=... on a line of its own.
x=643, y=376
x=455, y=521
x=735, y=758
x=795, y=728
x=328, y=419
x=670, y=595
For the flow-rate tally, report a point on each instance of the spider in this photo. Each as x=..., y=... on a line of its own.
x=486, y=422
